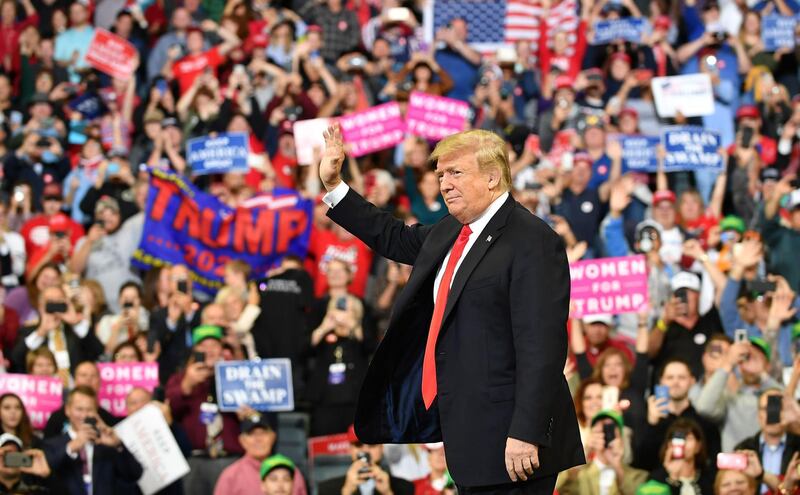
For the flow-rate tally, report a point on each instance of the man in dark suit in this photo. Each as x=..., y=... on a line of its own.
x=365, y=475
x=67, y=333
x=89, y=458
x=171, y=327
x=475, y=349
x=87, y=375
x=774, y=446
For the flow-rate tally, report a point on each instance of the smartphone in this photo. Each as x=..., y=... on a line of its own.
x=740, y=335
x=92, y=421
x=53, y=307
x=736, y=462
x=747, y=136
x=661, y=392
x=199, y=357
x=127, y=305
x=398, y=14
x=366, y=459
x=760, y=286
x=774, y=406
x=183, y=286
x=161, y=86
x=609, y=433
x=17, y=460
x=678, y=445
x=682, y=295
x=341, y=304
x=113, y=168
x=610, y=397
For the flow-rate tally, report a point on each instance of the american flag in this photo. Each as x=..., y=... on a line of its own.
x=494, y=23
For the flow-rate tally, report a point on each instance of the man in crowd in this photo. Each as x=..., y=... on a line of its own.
x=86, y=375
x=365, y=475
x=245, y=476
x=24, y=479
x=192, y=396
x=89, y=456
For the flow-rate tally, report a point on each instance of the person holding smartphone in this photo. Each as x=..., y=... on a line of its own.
x=608, y=471
x=341, y=342
x=777, y=448
x=132, y=318
x=21, y=471
x=684, y=457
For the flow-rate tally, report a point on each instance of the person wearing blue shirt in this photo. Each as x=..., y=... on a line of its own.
x=456, y=58
x=73, y=44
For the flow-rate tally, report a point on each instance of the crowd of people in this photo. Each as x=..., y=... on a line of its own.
x=695, y=395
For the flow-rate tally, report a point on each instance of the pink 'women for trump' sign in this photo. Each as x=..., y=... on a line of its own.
x=435, y=117
x=608, y=285
x=41, y=394
x=117, y=379
x=374, y=129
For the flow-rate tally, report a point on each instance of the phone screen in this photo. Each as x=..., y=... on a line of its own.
x=774, y=405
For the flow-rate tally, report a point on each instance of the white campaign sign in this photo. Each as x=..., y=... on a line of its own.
x=691, y=95
x=307, y=135
x=147, y=435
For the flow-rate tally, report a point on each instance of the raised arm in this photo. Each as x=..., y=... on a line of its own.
x=379, y=230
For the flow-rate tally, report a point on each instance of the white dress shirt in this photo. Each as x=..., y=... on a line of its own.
x=89, y=447
x=338, y=193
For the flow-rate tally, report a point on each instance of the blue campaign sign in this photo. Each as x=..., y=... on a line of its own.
x=218, y=155
x=777, y=31
x=264, y=385
x=628, y=29
x=690, y=148
x=639, y=153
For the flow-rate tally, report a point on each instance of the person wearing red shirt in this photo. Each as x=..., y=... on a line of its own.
x=767, y=148
x=337, y=243
x=36, y=231
x=597, y=332
x=58, y=248
x=188, y=68
x=435, y=482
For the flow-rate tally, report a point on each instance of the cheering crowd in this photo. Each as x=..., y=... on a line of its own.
x=695, y=395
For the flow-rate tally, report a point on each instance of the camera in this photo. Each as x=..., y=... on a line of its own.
x=183, y=286
x=199, y=357
x=293, y=113
x=53, y=307
x=17, y=460
x=366, y=459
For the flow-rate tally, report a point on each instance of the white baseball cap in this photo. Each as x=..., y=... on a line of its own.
x=434, y=446
x=604, y=318
x=685, y=280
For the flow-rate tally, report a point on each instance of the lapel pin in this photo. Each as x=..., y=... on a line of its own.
x=489, y=239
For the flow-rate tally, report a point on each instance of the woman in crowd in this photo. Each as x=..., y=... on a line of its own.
x=113, y=330
x=340, y=346
x=685, y=464
x=126, y=352
x=24, y=299
x=15, y=420
x=41, y=362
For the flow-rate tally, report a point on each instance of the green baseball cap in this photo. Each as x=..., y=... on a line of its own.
x=276, y=461
x=762, y=346
x=204, y=332
x=732, y=222
x=612, y=415
x=653, y=487
x=796, y=330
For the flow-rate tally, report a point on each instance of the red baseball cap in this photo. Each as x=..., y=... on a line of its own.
x=629, y=111
x=351, y=435
x=59, y=223
x=621, y=56
x=748, y=112
x=564, y=82
x=662, y=22
x=582, y=157
x=52, y=189
x=660, y=196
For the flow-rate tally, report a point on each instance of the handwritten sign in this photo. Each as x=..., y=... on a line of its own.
x=42, y=395
x=690, y=148
x=111, y=54
x=691, y=95
x=218, y=155
x=608, y=285
x=435, y=117
x=264, y=385
x=628, y=29
x=117, y=380
x=147, y=436
x=374, y=129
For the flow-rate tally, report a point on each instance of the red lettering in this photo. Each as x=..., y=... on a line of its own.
x=191, y=252
x=221, y=262
x=187, y=212
x=165, y=192
x=205, y=262
x=207, y=217
x=291, y=224
x=248, y=237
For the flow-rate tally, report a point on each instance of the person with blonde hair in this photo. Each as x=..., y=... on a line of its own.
x=475, y=351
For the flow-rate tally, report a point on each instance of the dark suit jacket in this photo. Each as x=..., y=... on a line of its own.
x=114, y=471
x=334, y=486
x=79, y=349
x=174, y=350
x=753, y=443
x=500, y=352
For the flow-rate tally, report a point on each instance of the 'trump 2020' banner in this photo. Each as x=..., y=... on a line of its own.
x=184, y=225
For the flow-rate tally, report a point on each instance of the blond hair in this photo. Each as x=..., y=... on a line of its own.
x=489, y=149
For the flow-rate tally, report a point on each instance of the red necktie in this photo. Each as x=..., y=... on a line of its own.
x=429, y=362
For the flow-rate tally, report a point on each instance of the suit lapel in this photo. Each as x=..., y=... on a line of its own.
x=430, y=257
x=487, y=237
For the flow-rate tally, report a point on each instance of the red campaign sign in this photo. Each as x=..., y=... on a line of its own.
x=329, y=445
x=111, y=54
